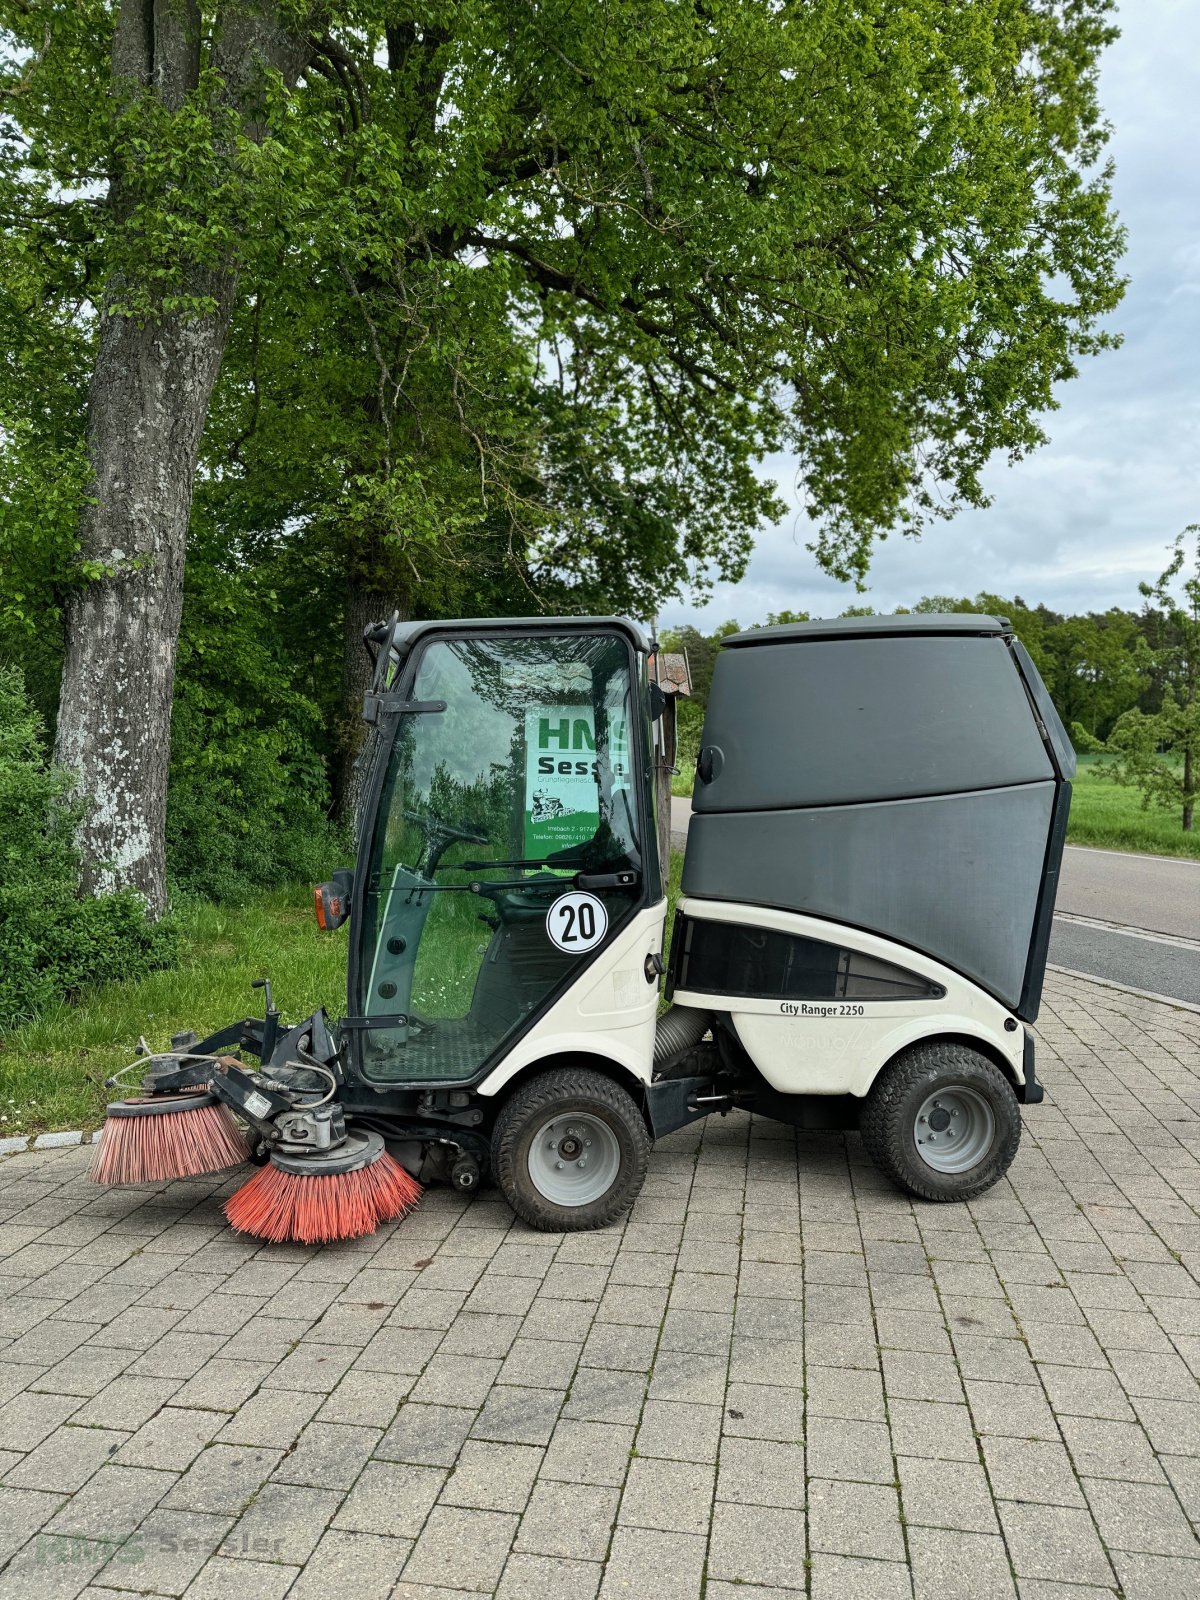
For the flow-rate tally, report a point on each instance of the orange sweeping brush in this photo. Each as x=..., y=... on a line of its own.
x=318, y=1198
x=154, y=1138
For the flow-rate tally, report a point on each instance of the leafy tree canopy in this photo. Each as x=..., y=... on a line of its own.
x=549, y=281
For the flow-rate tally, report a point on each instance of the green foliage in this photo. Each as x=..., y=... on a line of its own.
x=249, y=792
x=54, y=941
x=1158, y=752
x=1086, y=744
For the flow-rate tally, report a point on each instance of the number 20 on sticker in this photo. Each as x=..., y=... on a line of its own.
x=576, y=922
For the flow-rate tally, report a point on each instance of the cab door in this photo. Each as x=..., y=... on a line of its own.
x=506, y=848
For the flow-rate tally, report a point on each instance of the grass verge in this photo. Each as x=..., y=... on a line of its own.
x=52, y=1069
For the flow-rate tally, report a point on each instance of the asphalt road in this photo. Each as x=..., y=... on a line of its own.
x=1128, y=918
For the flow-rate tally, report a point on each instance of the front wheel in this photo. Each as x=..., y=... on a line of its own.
x=570, y=1150
x=942, y=1121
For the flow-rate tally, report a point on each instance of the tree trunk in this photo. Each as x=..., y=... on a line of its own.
x=147, y=404
x=146, y=408
x=364, y=605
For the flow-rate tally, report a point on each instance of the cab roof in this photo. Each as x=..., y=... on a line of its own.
x=932, y=623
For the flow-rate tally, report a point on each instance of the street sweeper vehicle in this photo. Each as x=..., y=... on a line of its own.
x=878, y=822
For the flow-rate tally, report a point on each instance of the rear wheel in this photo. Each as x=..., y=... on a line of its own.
x=570, y=1150
x=942, y=1121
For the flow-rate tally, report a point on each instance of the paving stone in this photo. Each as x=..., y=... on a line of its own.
x=53, y=1567
x=589, y=1452
x=761, y=1472
x=328, y=1455
x=273, y=1417
x=757, y=1411
x=518, y=1416
x=600, y=1395
x=572, y=1520
x=641, y=1562
x=1015, y=1409
x=392, y=1498
x=493, y=1477
x=540, y=1578
x=173, y=1438
x=225, y=1579
x=85, y=1372
x=758, y=1544
x=959, y=1566
x=855, y=1519
x=369, y=1398
x=67, y=1459
x=283, y=1524
x=846, y=1392
x=462, y=1549
x=1146, y=1577
x=426, y=1435
x=1056, y=1542
x=837, y=1577
x=838, y=1448
x=219, y=1385
x=365, y=1565
x=1031, y=1469
x=1086, y=1392
x=166, y=1552
x=457, y=1380
x=317, y=1368
x=1102, y=1449
x=126, y=1403
x=624, y=1348
x=539, y=1363
x=1140, y=1516
x=679, y=1431
x=946, y=1494
x=22, y=1513
x=27, y=1419
x=224, y=1477
x=675, y=1496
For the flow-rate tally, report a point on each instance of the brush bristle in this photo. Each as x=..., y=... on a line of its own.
x=317, y=1209
x=176, y=1144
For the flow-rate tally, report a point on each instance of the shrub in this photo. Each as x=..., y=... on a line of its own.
x=53, y=940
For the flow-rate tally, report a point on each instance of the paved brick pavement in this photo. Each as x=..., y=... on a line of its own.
x=778, y=1378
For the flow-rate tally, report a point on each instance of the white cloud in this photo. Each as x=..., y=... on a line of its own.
x=1082, y=521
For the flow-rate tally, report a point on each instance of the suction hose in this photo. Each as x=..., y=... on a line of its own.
x=679, y=1028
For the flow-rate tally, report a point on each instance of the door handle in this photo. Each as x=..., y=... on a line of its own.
x=606, y=880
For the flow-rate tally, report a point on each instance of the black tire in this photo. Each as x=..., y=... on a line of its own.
x=557, y=1095
x=891, y=1132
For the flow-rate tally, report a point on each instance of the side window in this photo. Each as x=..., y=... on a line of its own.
x=760, y=963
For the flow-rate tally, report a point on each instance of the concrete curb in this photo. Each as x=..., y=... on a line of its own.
x=47, y=1141
x=1125, y=988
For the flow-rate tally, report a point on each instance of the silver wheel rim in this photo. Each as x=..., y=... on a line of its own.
x=574, y=1159
x=955, y=1129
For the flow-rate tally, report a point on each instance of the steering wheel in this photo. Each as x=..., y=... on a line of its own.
x=433, y=825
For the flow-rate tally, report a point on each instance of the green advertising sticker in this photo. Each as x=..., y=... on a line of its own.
x=562, y=792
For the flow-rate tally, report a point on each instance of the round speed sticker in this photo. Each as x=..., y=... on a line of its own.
x=576, y=922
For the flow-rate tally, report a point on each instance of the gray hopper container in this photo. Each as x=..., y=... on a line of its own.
x=906, y=775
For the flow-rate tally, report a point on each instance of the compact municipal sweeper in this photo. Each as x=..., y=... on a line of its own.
x=878, y=822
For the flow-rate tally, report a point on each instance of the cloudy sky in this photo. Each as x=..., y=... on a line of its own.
x=1080, y=522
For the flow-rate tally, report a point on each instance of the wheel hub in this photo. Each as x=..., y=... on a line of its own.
x=955, y=1129
x=574, y=1160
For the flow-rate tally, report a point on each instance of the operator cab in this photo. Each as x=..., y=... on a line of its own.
x=505, y=839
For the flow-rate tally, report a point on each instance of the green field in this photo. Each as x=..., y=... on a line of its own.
x=52, y=1070
x=1102, y=814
